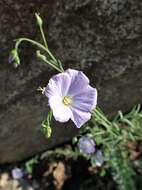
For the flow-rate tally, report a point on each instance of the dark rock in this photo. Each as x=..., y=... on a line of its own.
x=102, y=38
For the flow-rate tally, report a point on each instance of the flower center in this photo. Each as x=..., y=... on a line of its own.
x=67, y=100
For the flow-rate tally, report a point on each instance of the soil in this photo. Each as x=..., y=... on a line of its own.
x=56, y=174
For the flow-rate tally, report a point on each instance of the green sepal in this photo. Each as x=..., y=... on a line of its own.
x=46, y=127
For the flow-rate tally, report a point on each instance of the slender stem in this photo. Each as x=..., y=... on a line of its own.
x=104, y=121
x=19, y=41
x=52, y=65
x=60, y=65
x=43, y=36
x=103, y=117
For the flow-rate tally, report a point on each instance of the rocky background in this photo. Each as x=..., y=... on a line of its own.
x=101, y=37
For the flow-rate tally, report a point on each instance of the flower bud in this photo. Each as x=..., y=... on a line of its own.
x=86, y=145
x=39, y=19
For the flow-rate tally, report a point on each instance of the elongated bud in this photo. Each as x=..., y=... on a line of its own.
x=46, y=128
x=39, y=19
x=48, y=132
x=39, y=55
x=46, y=125
x=15, y=58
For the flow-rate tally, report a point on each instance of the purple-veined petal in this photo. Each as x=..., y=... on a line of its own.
x=61, y=112
x=58, y=84
x=79, y=117
x=72, y=73
x=78, y=81
x=87, y=100
x=51, y=89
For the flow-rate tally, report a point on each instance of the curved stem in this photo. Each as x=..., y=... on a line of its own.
x=19, y=41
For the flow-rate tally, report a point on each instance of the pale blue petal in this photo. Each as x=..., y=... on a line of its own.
x=58, y=85
x=85, y=101
x=79, y=117
x=78, y=81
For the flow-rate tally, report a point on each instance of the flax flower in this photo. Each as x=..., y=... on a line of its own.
x=71, y=97
x=86, y=145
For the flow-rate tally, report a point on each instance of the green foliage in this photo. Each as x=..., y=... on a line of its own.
x=29, y=164
x=122, y=171
x=113, y=138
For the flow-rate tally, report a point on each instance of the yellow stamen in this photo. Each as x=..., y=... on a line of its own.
x=67, y=100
